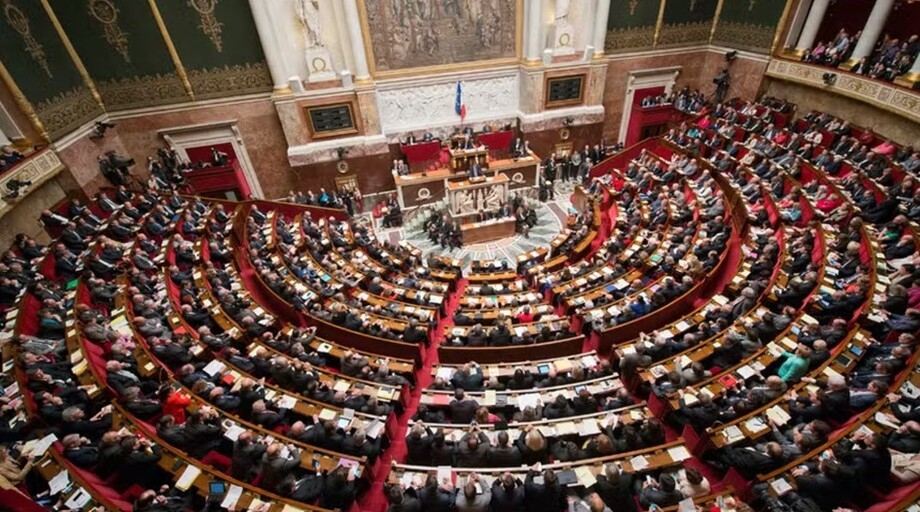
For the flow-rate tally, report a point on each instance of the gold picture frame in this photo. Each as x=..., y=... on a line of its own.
x=354, y=129
x=550, y=80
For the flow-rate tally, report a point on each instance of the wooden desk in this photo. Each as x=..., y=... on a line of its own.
x=468, y=198
x=418, y=189
x=461, y=159
x=479, y=232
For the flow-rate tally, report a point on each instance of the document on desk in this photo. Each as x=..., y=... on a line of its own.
x=78, y=500
x=188, y=477
x=58, y=482
x=778, y=415
x=780, y=486
x=233, y=496
x=638, y=463
x=585, y=476
x=678, y=453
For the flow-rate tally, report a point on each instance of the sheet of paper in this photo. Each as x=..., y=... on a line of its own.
x=678, y=453
x=232, y=497
x=638, y=463
x=585, y=476
x=188, y=477
x=78, y=500
x=58, y=482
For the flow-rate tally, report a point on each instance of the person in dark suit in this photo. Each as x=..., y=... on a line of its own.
x=277, y=471
x=507, y=494
x=418, y=445
x=435, y=498
x=548, y=496
x=80, y=451
x=411, y=139
x=462, y=409
x=403, y=501
x=472, y=449
x=828, y=484
x=504, y=454
x=246, y=458
x=663, y=493
x=475, y=170
x=615, y=489
x=338, y=490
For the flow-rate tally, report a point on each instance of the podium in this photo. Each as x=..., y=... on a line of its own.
x=468, y=198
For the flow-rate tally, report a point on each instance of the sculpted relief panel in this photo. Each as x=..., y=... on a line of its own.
x=413, y=107
x=410, y=34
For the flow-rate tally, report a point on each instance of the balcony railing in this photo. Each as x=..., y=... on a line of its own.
x=37, y=168
x=891, y=97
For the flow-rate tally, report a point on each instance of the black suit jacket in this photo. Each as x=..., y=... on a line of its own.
x=617, y=496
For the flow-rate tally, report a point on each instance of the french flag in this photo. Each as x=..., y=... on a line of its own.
x=459, y=107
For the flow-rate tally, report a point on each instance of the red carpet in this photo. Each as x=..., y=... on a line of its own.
x=374, y=500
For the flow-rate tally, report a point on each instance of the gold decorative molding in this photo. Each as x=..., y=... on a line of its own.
x=659, y=22
x=717, y=15
x=67, y=111
x=37, y=168
x=210, y=25
x=746, y=36
x=24, y=104
x=629, y=38
x=105, y=12
x=18, y=21
x=903, y=102
x=231, y=80
x=684, y=33
x=77, y=61
x=143, y=91
x=171, y=48
x=781, y=26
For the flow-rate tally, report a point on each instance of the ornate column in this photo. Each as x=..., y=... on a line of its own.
x=600, y=27
x=269, y=35
x=812, y=24
x=533, y=54
x=871, y=32
x=24, y=104
x=361, y=71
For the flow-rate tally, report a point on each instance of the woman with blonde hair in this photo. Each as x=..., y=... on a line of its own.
x=533, y=446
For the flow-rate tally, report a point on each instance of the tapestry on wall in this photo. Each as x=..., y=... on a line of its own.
x=407, y=35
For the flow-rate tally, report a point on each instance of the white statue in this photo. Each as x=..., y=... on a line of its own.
x=562, y=10
x=308, y=12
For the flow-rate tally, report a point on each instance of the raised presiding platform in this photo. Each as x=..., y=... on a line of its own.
x=486, y=231
x=475, y=196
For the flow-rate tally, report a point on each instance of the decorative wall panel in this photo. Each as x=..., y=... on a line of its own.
x=218, y=45
x=405, y=35
x=39, y=63
x=631, y=25
x=687, y=22
x=419, y=106
x=749, y=24
x=123, y=51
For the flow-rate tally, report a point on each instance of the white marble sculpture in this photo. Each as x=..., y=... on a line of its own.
x=319, y=60
x=564, y=32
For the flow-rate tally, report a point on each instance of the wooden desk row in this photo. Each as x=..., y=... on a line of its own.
x=539, y=367
x=518, y=400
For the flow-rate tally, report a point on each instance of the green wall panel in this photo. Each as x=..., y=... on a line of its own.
x=46, y=75
x=123, y=51
x=687, y=22
x=749, y=24
x=631, y=25
x=219, y=46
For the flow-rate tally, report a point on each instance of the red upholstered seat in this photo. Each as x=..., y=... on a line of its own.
x=217, y=460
